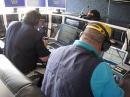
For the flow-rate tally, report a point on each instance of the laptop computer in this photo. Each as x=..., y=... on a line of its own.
x=116, y=57
x=66, y=35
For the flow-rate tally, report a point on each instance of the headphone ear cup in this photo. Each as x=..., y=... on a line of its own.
x=106, y=45
x=80, y=34
x=33, y=19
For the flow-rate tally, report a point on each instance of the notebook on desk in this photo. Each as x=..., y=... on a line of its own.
x=67, y=35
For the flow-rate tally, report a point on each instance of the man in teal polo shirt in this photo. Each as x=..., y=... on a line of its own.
x=78, y=70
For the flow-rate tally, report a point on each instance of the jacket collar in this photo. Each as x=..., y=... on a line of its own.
x=85, y=45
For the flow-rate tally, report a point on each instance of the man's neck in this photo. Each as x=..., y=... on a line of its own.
x=93, y=43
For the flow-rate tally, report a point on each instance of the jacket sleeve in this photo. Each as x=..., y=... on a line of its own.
x=103, y=83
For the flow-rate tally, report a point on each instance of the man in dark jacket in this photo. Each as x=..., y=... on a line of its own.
x=24, y=45
x=92, y=15
x=78, y=71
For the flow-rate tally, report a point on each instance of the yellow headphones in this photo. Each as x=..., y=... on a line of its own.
x=103, y=29
x=97, y=26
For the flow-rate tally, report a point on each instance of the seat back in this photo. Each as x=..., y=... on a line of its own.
x=16, y=82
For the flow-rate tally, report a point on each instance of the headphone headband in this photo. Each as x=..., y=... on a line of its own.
x=103, y=28
x=106, y=43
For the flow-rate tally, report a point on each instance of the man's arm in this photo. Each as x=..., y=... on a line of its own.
x=103, y=83
x=42, y=51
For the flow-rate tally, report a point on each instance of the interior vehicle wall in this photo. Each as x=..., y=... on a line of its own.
x=118, y=12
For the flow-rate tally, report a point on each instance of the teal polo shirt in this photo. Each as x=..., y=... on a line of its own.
x=102, y=81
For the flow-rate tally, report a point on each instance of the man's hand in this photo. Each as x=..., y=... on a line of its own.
x=45, y=40
x=44, y=59
x=125, y=85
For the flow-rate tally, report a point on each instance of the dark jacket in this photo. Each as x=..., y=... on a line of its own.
x=24, y=46
x=69, y=72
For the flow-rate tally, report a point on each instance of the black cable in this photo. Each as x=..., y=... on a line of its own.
x=119, y=55
x=127, y=38
x=127, y=41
